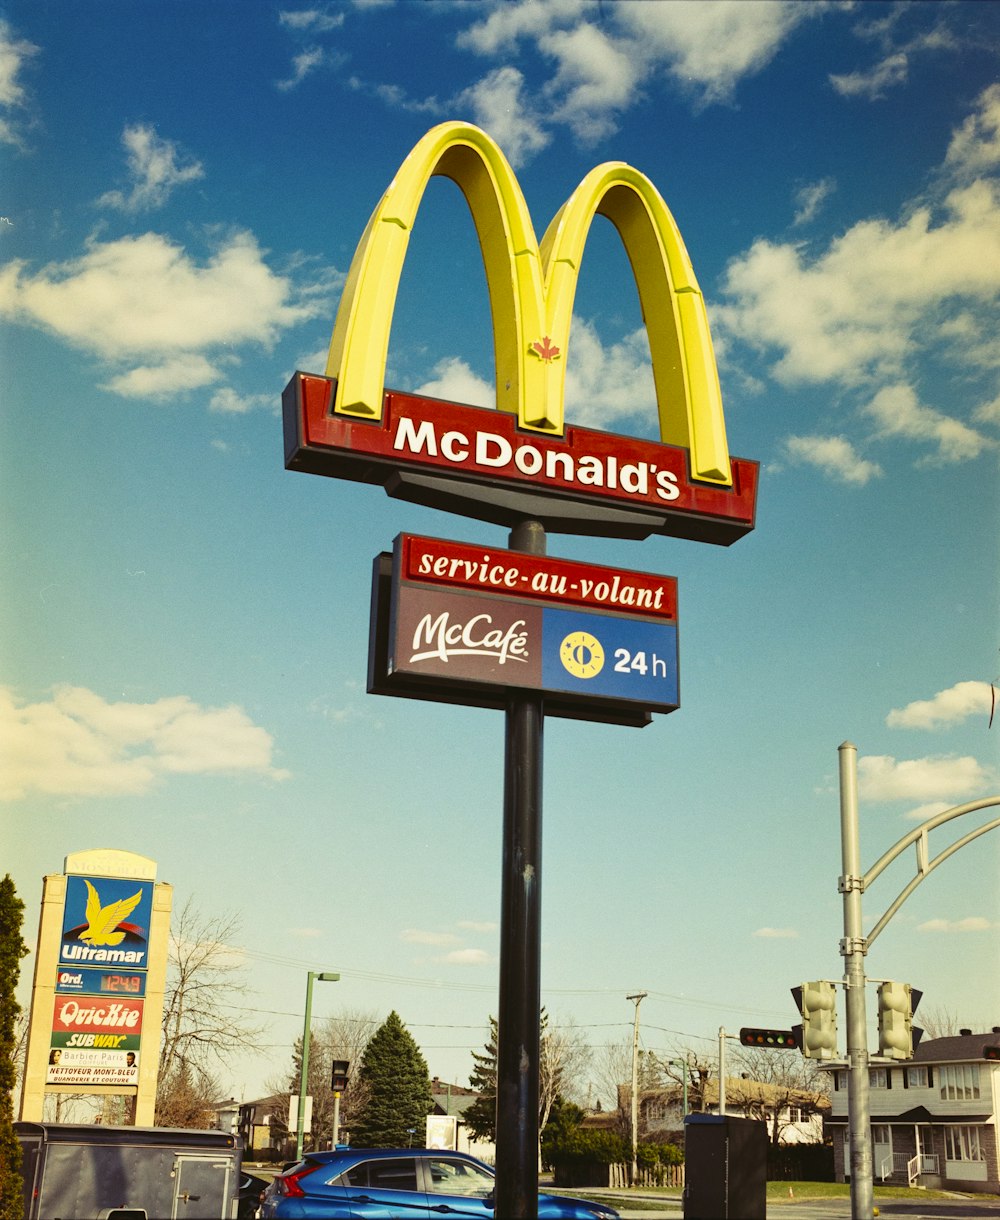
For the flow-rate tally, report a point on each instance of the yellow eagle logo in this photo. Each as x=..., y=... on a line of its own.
x=102, y=922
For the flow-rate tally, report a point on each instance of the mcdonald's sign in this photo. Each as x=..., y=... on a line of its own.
x=522, y=460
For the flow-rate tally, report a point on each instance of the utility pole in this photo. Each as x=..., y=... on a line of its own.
x=326, y=977
x=636, y=999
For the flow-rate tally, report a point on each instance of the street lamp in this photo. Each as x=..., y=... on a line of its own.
x=327, y=977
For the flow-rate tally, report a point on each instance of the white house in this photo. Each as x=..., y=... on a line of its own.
x=934, y=1118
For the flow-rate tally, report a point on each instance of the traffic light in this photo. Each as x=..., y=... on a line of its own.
x=773, y=1039
x=896, y=1034
x=338, y=1082
x=991, y=1052
x=817, y=1003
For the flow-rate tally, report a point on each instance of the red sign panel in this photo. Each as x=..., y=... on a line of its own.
x=96, y=1021
x=476, y=462
x=516, y=574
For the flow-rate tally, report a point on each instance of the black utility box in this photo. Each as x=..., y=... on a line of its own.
x=725, y=1168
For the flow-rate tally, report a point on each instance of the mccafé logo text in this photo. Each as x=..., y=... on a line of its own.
x=441, y=638
x=348, y=425
x=114, y=1015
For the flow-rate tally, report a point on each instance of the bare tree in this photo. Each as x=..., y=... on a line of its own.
x=771, y=1082
x=204, y=1022
x=565, y=1061
x=343, y=1036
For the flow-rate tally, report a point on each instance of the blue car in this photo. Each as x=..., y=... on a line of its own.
x=399, y=1184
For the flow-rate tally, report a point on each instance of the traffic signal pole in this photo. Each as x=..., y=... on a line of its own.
x=853, y=948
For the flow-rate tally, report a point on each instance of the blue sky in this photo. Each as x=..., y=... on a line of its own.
x=185, y=623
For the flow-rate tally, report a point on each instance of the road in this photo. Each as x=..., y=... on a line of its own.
x=836, y=1209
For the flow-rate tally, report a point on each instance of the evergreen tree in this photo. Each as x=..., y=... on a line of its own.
x=12, y=949
x=481, y=1116
x=398, y=1090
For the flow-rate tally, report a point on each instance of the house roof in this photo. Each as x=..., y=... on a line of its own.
x=739, y=1090
x=961, y=1048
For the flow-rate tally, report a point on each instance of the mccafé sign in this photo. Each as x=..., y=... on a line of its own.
x=522, y=460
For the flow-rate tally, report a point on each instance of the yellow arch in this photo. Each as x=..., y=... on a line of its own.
x=688, y=396
x=531, y=292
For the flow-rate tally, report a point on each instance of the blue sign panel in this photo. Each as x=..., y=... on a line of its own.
x=106, y=923
x=88, y=981
x=610, y=656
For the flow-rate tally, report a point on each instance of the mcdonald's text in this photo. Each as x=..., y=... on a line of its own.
x=442, y=454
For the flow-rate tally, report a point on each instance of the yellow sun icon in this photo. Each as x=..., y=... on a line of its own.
x=582, y=654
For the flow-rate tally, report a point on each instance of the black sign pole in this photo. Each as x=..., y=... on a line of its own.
x=520, y=940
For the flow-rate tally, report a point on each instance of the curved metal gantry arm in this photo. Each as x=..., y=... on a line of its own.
x=918, y=837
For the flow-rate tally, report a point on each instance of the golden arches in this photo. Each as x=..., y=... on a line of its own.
x=531, y=292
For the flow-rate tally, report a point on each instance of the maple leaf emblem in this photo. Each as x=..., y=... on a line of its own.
x=545, y=350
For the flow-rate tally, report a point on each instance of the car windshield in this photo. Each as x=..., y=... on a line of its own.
x=459, y=1178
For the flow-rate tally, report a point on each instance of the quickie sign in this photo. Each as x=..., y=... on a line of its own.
x=522, y=461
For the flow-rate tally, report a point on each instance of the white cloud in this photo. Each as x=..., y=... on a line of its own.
x=156, y=168
x=79, y=744
x=477, y=925
x=14, y=54
x=710, y=48
x=468, y=957
x=897, y=413
x=924, y=813
x=454, y=381
x=595, y=81
x=227, y=402
x=882, y=778
x=303, y=65
x=988, y=412
x=607, y=384
x=810, y=198
x=873, y=83
x=947, y=707
x=776, y=933
x=602, y=55
x=145, y=302
x=972, y=923
x=863, y=309
x=498, y=105
x=975, y=146
x=318, y=20
x=189, y=372
x=835, y=456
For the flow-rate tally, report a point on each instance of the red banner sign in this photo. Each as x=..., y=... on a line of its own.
x=476, y=462
x=516, y=574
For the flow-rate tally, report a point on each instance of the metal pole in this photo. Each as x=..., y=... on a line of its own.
x=304, y=1067
x=336, y=1118
x=722, y=1070
x=636, y=1000
x=520, y=941
x=324, y=977
x=853, y=949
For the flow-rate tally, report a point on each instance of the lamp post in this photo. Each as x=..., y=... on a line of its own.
x=326, y=977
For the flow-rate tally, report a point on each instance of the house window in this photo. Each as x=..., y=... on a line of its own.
x=959, y=1082
x=797, y=1115
x=962, y=1144
x=878, y=1078
x=917, y=1078
x=840, y=1080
